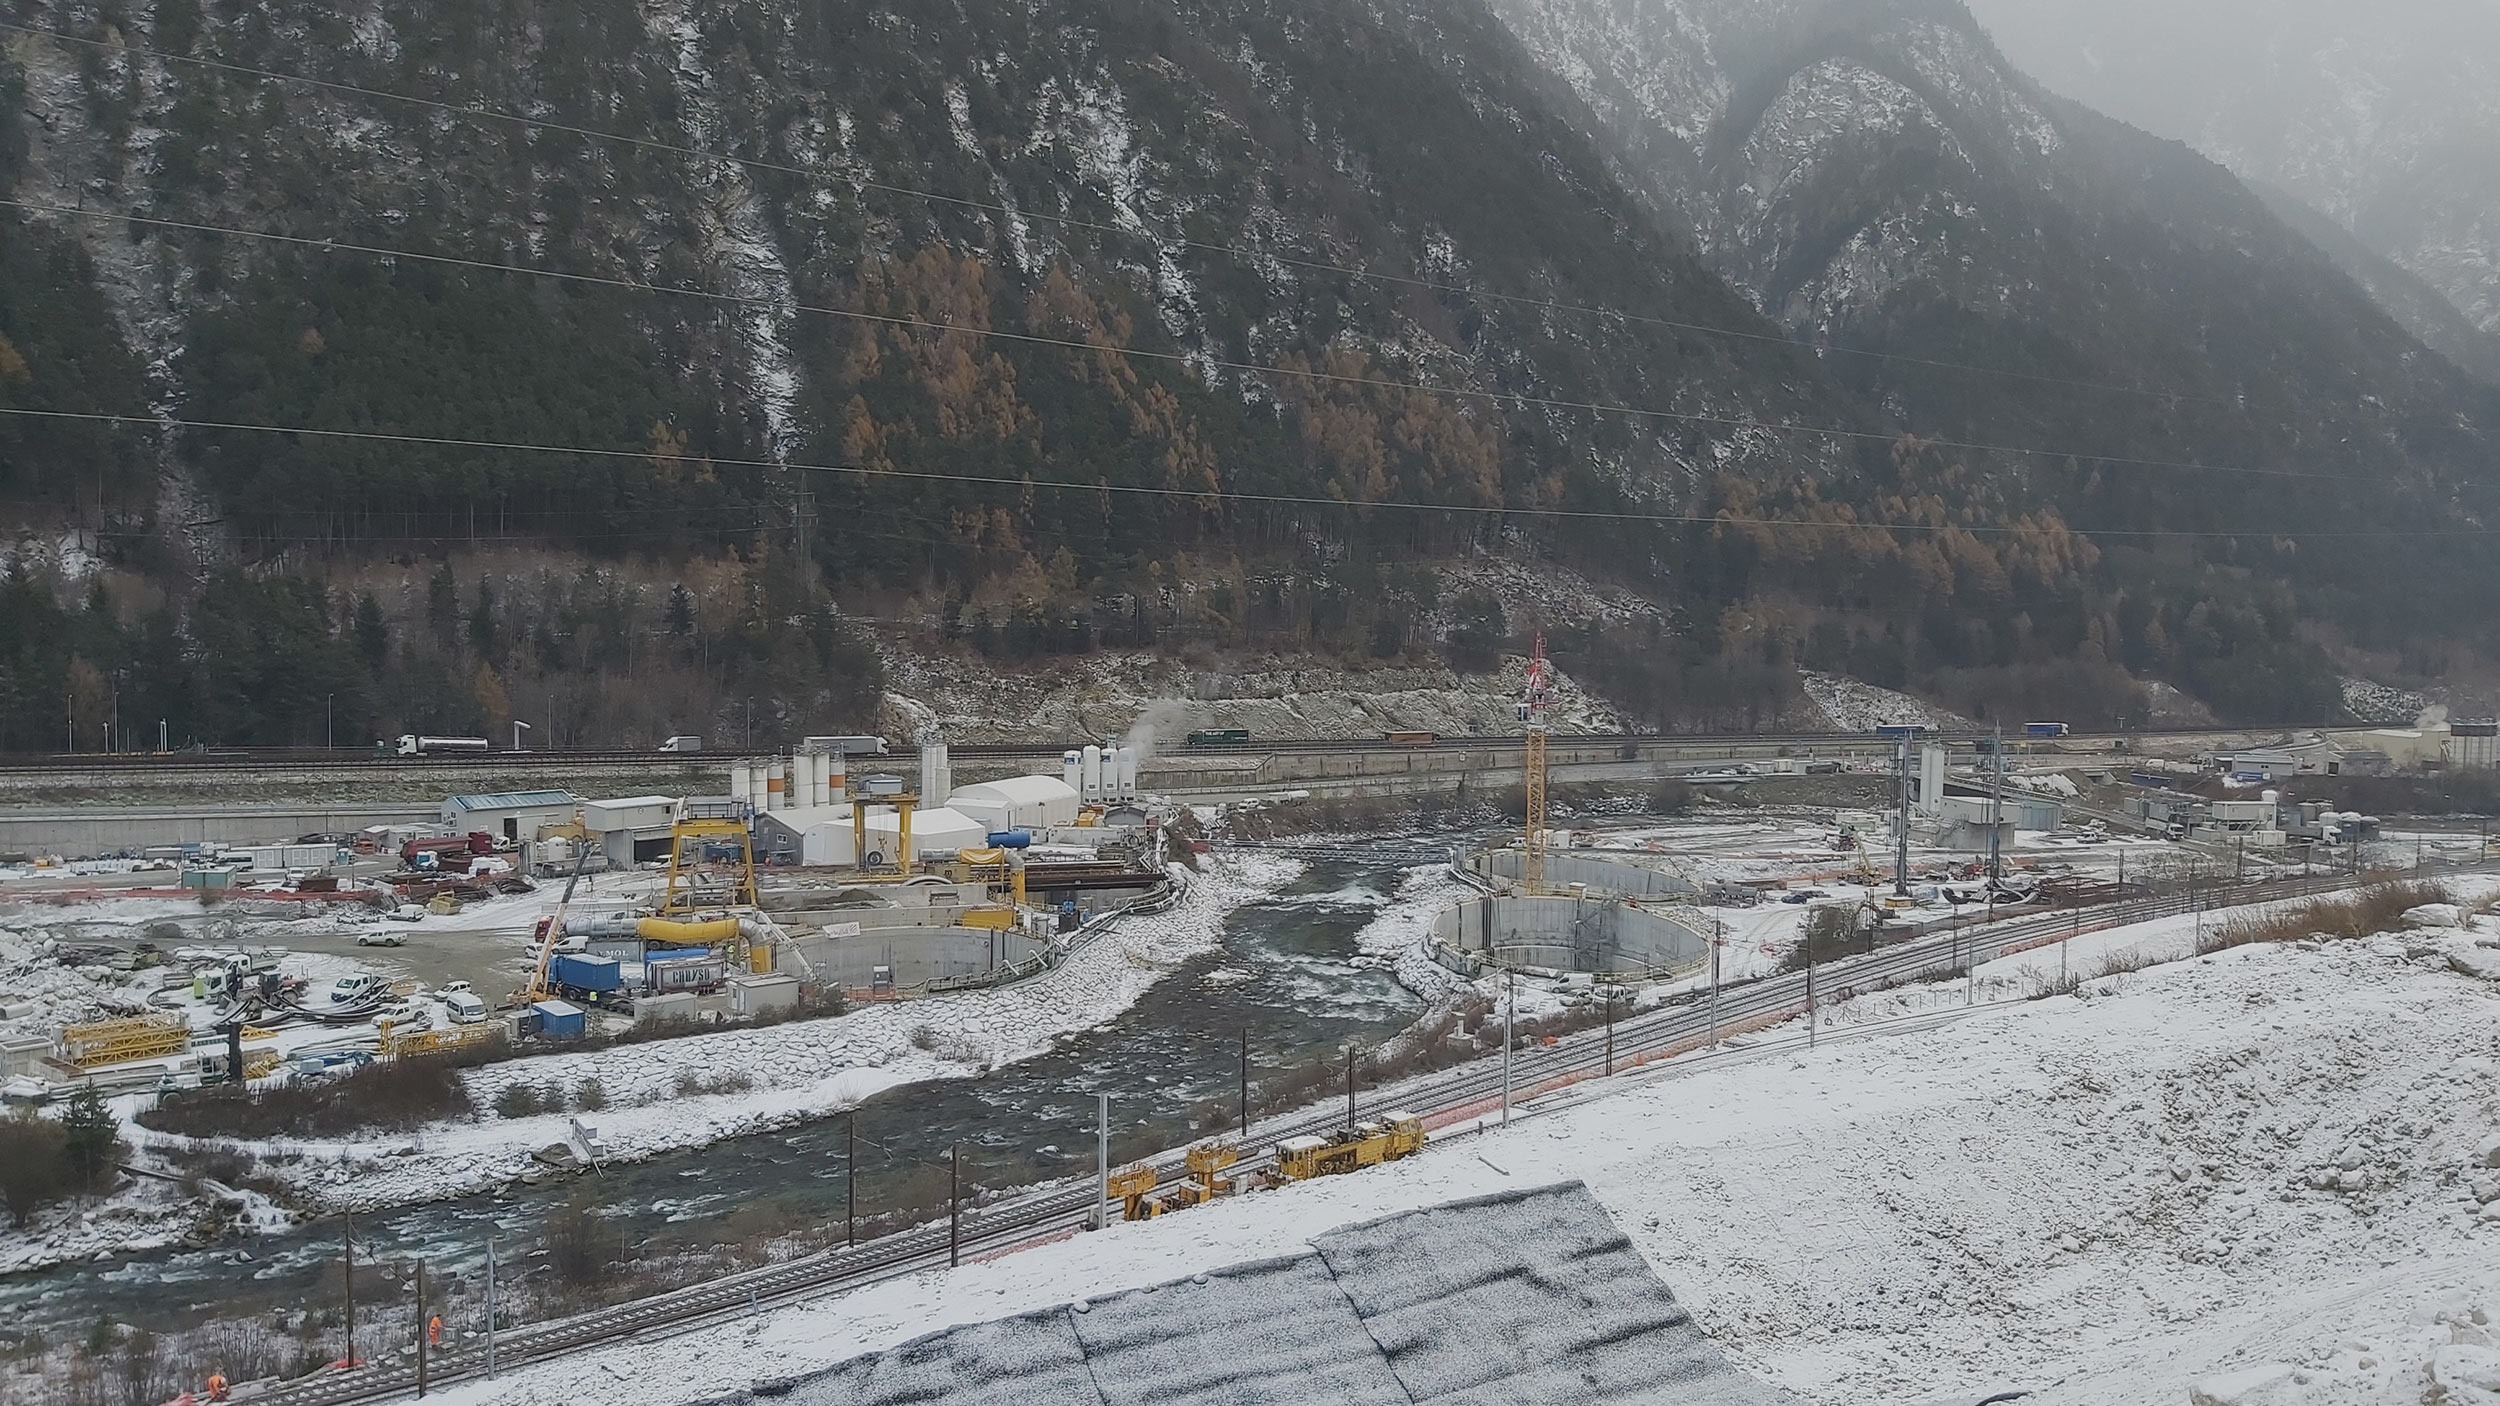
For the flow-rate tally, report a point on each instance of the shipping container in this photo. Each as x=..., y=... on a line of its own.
x=576, y=972
x=701, y=972
x=560, y=1020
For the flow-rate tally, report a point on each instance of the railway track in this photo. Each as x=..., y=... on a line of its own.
x=1450, y=1099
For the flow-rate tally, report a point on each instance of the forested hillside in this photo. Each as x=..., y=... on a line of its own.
x=446, y=356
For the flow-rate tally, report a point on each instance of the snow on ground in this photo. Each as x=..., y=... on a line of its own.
x=1399, y=936
x=665, y=1095
x=2275, y=1155
x=1862, y=707
x=2378, y=703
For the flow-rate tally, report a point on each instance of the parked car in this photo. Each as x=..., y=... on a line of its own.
x=407, y=913
x=381, y=937
x=464, y=1007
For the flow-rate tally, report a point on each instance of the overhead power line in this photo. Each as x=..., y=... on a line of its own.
x=1183, y=359
x=142, y=418
x=863, y=182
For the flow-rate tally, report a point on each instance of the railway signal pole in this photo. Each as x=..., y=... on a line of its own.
x=954, y=1206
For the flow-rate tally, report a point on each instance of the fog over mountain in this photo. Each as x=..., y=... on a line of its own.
x=2385, y=116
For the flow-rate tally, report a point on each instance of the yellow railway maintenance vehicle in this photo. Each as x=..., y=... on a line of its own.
x=1208, y=1161
x=1386, y=1139
x=1133, y=1187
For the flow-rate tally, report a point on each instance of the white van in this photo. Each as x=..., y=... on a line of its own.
x=463, y=1007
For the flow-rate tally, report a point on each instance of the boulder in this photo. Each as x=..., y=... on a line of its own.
x=2464, y=1374
x=2433, y=915
x=2481, y=963
x=2488, y=1153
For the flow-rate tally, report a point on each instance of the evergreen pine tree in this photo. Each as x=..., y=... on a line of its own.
x=91, y=1139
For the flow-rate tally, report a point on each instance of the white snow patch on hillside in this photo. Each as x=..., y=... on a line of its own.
x=2119, y=1195
x=1862, y=707
x=2378, y=703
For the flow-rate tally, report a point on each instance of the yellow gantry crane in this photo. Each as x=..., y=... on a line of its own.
x=703, y=883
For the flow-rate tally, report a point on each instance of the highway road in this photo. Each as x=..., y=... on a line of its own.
x=1590, y=1062
x=359, y=759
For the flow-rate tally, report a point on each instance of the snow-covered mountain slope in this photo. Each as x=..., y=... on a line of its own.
x=2385, y=116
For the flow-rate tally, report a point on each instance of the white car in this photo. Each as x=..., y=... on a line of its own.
x=381, y=937
x=407, y=913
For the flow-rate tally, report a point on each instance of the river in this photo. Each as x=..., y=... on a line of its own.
x=1283, y=974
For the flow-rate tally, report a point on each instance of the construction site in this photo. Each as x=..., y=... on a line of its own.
x=913, y=982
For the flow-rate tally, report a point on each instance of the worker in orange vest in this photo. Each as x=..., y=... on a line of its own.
x=434, y=1331
x=216, y=1386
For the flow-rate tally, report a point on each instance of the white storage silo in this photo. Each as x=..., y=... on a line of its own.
x=1072, y=770
x=1127, y=788
x=738, y=784
x=755, y=786
x=1092, y=789
x=776, y=785
x=811, y=782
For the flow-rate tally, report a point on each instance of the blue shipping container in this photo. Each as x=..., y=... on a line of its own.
x=561, y=1020
x=572, y=969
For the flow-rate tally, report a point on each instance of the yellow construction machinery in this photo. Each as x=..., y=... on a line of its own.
x=1134, y=1187
x=123, y=1039
x=440, y=1039
x=698, y=881
x=997, y=868
x=1208, y=1161
x=1365, y=1144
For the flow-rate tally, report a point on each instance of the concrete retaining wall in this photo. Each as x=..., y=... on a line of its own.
x=93, y=830
x=917, y=955
x=1571, y=934
x=1618, y=876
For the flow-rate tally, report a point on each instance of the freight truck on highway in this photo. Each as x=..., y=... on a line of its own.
x=412, y=745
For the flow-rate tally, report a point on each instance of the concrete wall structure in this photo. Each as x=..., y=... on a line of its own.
x=1572, y=934
x=916, y=954
x=1622, y=875
x=77, y=831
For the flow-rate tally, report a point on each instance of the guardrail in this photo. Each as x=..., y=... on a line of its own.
x=1446, y=1099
